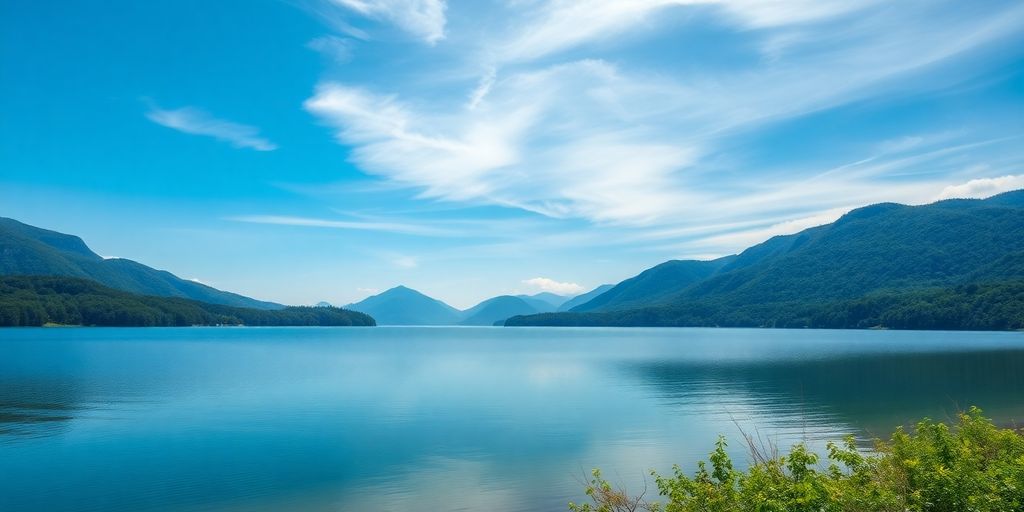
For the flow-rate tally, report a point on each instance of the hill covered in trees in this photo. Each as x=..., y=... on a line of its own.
x=27, y=301
x=991, y=306
x=28, y=250
x=955, y=264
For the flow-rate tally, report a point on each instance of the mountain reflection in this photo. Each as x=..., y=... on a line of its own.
x=36, y=408
x=873, y=392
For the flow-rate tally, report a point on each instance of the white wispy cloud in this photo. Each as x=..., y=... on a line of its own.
x=196, y=121
x=337, y=49
x=559, y=25
x=982, y=187
x=564, y=109
x=424, y=19
x=482, y=88
x=545, y=284
x=617, y=144
x=390, y=227
x=405, y=262
x=526, y=146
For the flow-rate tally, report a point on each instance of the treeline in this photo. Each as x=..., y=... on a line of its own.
x=32, y=301
x=986, y=306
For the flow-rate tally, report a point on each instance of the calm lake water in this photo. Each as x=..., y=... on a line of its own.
x=498, y=419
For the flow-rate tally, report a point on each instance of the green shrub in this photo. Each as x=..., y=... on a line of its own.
x=973, y=466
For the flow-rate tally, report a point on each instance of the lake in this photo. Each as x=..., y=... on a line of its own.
x=406, y=418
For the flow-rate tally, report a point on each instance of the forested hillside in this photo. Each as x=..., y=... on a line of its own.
x=28, y=250
x=954, y=264
x=27, y=301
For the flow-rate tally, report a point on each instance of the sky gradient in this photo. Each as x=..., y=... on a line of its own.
x=300, y=151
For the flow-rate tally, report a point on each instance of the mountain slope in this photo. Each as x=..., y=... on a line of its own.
x=498, y=309
x=875, y=247
x=889, y=252
x=28, y=250
x=653, y=284
x=405, y=306
x=585, y=297
x=28, y=301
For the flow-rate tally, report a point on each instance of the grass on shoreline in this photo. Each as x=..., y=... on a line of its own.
x=970, y=466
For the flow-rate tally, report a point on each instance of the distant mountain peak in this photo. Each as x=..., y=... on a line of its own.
x=402, y=305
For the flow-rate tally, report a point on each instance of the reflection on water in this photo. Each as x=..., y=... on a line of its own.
x=33, y=408
x=870, y=392
x=444, y=418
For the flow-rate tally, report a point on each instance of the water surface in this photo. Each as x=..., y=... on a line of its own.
x=500, y=419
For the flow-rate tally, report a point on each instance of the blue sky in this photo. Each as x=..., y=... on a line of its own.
x=314, y=150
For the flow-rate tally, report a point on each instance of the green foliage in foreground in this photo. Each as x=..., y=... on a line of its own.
x=33, y=301
x=973, y=466
x=985, y=306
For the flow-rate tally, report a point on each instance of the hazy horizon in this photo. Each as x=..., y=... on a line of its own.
x=327, y=150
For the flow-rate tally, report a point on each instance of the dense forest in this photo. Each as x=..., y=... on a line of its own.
x=986, y=306
x=38, y=300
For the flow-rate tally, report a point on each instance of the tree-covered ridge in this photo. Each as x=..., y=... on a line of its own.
x=38, y=300
x=971, y=466
x=877, y=247
x=987, y=306
x=28, y=250
x=886, y=256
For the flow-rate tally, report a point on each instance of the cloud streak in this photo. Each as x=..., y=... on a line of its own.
x=560, y=25
x=387, y=227
x=424, y=19
x=195, y=121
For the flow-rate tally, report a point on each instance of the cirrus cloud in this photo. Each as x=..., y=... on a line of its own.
x=422, y=18
x=552, y=130
x=196, y=121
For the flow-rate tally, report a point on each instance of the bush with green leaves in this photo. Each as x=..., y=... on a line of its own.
x=972, y=466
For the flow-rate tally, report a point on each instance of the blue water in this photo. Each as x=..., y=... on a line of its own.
x=499, y=419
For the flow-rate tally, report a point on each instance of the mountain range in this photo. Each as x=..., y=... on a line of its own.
x=404, y=306
x=31, y=251
x=951, y=264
